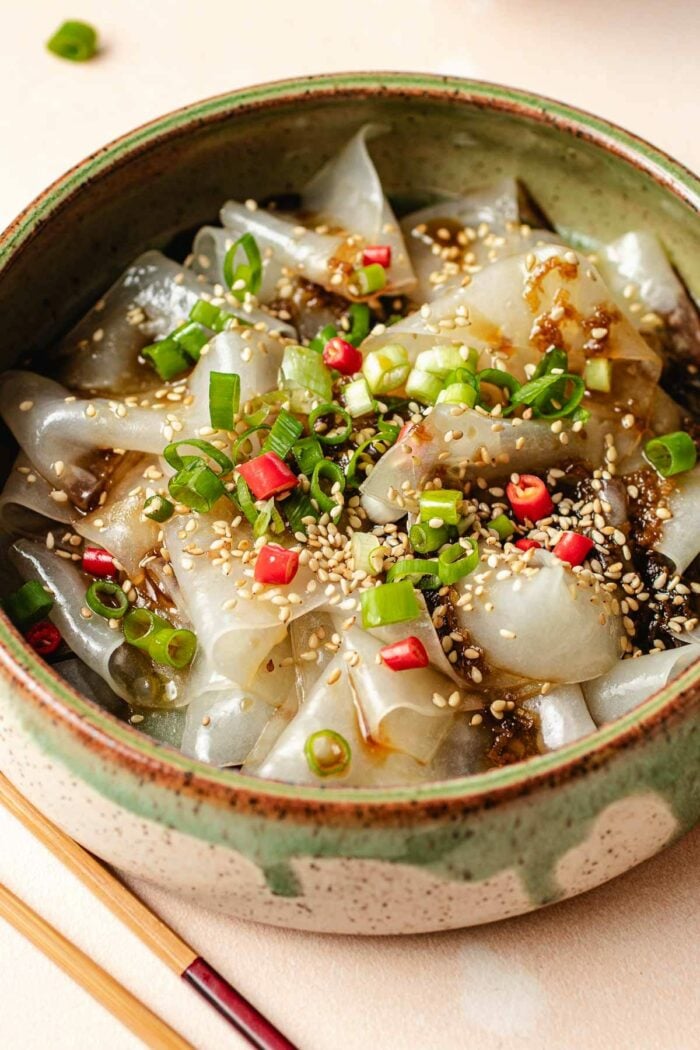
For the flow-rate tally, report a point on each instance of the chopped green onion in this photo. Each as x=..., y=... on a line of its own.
x=423, y=387
x=672, y=453
x=262, y=522
x=158, y=508
x=442, y=360
x=358, y=398
x=165, y=644
x=360, y=320
x=386, y=369
x=502, y=380
x=140, y=627
x=106, y=599
x=247, y=276
x=598, y=374
x=244, y=438
x=263, y=408
x=388, y=432
x=442, y=504
x=224, y=399
x=327, y=753
x=425, y=539
x=380, y=441
x=307, y=452
x=327, y=333
x=173, y=647
x=364, y=547
x=305, y=376
x=191, y=337
x=326, y=470
x=543, y=395
x=334, y=436
x=463, y=375
x=76, y=41
x=551, y=359
x=296, y=507
x=284, y=433
x=458, y=394
x=177, y=462
x=196, y=486
x=245, y=500
x=214, y=317
x=502, y=526
x=168, y=359
x=268, y=519
x=422, y=572
x=455, y=562
x=29, y=604
x=204, y=312
x=369, y=279
x=388, y=603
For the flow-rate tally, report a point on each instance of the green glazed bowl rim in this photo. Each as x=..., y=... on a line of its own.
x=126, y=746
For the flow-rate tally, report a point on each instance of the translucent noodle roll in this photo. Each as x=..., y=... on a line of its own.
x=26, y=505
x=562, y=716
x=237, y=629
x=126, y=670
x=630, y=682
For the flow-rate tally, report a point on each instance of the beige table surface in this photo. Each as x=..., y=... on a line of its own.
x=617, y=968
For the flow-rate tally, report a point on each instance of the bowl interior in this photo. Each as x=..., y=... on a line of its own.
x=441, y=137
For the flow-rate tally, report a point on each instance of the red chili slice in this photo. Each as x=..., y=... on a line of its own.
x=343, y=356
x=525, y=544
x=267, y=475
x=573, y=547
x=405, y=655
x=44, y=637
x=98, y=562
x=276, y=564
x=377, y=253
x=529, y=498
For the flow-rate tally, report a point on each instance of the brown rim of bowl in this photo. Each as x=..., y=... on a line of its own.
x=103, y=733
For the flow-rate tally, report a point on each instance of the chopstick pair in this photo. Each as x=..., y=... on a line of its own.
x=177, y=955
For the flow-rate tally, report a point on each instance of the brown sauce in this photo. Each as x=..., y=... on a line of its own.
x=514, y=738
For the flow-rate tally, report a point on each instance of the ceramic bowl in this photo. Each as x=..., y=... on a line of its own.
x=366, y=861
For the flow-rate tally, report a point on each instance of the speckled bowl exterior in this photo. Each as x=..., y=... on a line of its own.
x=365, y=861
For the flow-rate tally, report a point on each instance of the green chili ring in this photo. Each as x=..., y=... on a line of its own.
x=108, y=589
x=177, y=462
x=338, y=758
x=328, y=409
x=330, y=471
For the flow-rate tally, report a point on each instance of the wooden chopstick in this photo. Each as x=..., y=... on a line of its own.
x=177, y=955
x=132, y=1013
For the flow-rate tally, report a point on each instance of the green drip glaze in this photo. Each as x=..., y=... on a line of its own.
x=529, y=835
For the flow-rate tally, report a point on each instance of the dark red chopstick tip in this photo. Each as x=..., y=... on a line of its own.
x=234, y=1008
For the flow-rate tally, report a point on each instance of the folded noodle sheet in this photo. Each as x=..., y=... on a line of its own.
x=680, y=534
x=152, y=297
x=237, y=630
x=518, y=307
x=481, y=445
x=26, y=506
x=224, y=720
x=562, y=716
x=127, y=671
x=543, y=622
x=119, y=524
x=345, y=195
x=630, y=682
x=453, y=239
